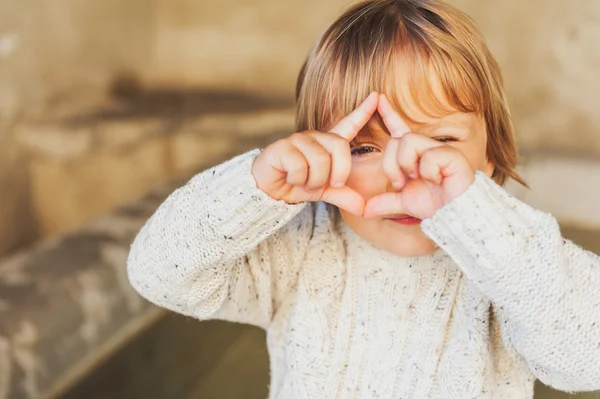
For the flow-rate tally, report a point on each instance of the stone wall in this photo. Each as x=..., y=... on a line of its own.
x=56, y=55
x=117, y=152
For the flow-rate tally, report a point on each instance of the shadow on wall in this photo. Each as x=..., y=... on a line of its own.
x=132, y=100
x=17, y=222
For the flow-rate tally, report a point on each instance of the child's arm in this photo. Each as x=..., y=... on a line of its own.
x=223, y=247
x=204, y=254
x=545, y=288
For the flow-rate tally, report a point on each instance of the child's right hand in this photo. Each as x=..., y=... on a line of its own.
x=314, y=166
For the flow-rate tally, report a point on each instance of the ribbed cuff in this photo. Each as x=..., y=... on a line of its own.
x=247, y=215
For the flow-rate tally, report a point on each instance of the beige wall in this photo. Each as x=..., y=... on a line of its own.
x=56, y=54
x=65, y=46
x=551, y=59
x=258, y=45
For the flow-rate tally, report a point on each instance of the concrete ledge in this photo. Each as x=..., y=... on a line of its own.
x=66, y=304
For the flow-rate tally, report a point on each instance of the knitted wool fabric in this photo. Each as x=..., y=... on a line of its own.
x=505, y=300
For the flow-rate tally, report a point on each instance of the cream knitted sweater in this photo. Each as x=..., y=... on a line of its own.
x=505, y=300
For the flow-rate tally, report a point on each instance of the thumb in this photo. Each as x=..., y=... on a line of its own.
x=384, y=204
x=345, y=198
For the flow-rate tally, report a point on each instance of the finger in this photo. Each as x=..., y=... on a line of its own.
x=294, y=165
x=393, y=121
x=319, y=161
x=349, y=127
x=432, y=164
x=447, y=165
x=341, y=158
x=390, y=164
x=345, y=198
x=389, y=203
x=412, y=147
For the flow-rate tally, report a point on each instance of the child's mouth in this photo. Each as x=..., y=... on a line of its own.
x=404, y=220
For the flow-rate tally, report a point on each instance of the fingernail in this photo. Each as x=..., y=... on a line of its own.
x=337, y=184
x=397, y=184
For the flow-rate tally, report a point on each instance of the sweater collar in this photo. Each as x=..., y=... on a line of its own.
x=374, y=260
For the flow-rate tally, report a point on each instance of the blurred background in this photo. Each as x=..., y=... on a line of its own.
x=106, y=106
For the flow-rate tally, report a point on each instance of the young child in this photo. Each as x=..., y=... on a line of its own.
x=377, y=247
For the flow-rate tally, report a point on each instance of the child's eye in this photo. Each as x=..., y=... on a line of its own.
x=360, y=151
x=445, y=139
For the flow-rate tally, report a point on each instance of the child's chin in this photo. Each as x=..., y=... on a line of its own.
x=408, y=241
x=398, y=239
x=414, y=249
x=411, y=245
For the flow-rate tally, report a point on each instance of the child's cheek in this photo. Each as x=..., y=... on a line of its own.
x=475, y=152
x=367, y=178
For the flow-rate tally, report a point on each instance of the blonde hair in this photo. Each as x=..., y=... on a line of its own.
x=378, y=44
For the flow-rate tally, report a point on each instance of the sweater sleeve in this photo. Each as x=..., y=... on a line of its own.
x=544, y=288
x=219, y=247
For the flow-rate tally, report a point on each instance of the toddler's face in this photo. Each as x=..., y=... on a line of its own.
x=464, y=131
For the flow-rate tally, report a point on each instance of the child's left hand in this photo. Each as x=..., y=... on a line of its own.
x=438, y=172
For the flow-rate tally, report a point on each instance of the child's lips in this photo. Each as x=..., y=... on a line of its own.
x=406, y=220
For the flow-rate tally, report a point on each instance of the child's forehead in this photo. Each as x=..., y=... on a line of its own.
x=462, y=120
x=421, y=97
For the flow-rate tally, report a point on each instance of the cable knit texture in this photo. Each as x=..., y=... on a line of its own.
x=505, y=300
